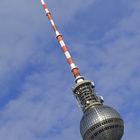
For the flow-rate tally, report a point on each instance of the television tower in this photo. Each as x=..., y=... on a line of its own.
x=99, y=122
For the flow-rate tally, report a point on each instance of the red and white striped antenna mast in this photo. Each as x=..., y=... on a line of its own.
x=66, y=52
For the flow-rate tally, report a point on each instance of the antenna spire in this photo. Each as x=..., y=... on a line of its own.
x=65, y=50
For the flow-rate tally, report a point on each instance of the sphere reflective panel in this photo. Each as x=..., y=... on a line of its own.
x=101, y=123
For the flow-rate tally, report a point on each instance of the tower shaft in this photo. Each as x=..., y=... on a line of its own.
x=99, y=122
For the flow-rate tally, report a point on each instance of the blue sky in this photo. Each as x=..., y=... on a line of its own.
x=36, y=101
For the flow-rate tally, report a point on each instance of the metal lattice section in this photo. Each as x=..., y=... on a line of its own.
x=85, y=95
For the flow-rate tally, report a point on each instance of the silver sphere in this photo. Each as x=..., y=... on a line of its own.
x=101, y=123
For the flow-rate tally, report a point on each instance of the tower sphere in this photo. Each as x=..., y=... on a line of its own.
x=101, y=123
